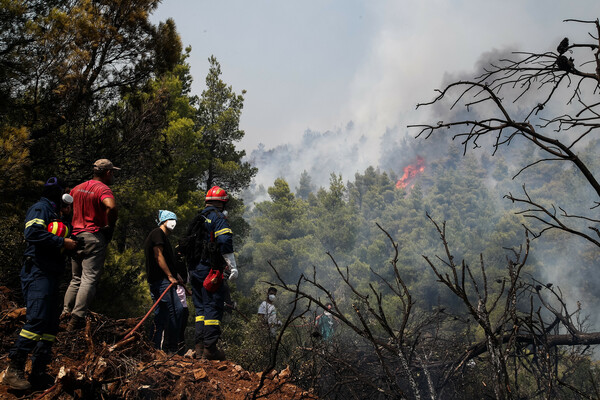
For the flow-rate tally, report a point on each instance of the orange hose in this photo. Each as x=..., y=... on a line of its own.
x=149, y=311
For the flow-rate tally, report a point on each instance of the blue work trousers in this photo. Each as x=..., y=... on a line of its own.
x=40, y=291
x=167, y=316
x=208, y=307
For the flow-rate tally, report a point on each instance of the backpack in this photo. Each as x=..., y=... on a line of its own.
x=195, y=248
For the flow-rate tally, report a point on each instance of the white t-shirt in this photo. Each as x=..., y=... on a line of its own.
x=269, y=311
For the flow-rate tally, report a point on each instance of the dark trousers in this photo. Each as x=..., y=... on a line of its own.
x=208, y=307
x=166, y=316
x=40, y=291
x=182, y=325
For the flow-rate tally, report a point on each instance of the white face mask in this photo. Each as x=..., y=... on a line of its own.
x=272, y=297
x=170, y=224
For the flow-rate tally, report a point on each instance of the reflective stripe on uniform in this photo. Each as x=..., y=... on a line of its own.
x=200, y=318
x=30, y=335
x=37, y=221
x=48, y=337
x=212, y=322
x=222, y=232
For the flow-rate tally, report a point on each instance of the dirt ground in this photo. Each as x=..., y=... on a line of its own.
x=95, y=363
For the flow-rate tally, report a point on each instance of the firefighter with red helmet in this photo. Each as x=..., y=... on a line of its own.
x=44, y=262
x=210, y=263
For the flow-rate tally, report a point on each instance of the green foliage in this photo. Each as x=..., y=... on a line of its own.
x=14, y=160
x=218, y=117
x=305, y=187
x=294, y=234
x=123, y=291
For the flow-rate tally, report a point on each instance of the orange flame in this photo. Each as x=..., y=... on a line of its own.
x=411, y=171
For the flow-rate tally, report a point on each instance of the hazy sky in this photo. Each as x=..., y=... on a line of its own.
x=320, y=64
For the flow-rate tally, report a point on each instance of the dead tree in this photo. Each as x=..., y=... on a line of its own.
x=510, y=328
x=481, y=303
x=525, y=324
x=567, y=79
x=369, y=320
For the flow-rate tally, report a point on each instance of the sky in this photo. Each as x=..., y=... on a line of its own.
x=318, y=65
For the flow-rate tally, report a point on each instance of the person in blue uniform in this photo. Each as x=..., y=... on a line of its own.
x=217, y=256
x=43, y=265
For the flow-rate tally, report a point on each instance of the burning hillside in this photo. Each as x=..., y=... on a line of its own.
x=411, y=171
x=89, y=366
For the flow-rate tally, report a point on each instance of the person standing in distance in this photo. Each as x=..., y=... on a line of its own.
x=94, y=219
x=268, y=313
x=217, y=255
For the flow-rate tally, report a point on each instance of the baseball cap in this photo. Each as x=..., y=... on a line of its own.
x=103, y=165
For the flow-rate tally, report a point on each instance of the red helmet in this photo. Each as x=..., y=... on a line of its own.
x=58, y=228
x=216, y=194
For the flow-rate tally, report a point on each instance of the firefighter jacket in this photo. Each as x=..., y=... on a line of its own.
x=217, y=231
x=43, y=247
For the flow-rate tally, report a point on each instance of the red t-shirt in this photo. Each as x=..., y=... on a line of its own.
x=89, y=214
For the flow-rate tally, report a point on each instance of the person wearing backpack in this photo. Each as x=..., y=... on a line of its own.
x=208, y=249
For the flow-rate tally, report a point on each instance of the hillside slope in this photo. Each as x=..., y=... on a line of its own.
x=89, y=365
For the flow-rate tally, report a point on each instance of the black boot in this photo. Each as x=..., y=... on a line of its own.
x=213, y=353
x=14, y=376
x=39, y=378
x=75, y=323
x=199, y=350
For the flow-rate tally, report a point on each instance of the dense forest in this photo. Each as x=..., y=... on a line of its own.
x=460, y=267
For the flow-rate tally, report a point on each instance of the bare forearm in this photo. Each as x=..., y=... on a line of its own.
x=111, y=216
x=162, y=263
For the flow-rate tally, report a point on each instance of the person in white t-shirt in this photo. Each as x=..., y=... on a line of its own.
x=268, y=313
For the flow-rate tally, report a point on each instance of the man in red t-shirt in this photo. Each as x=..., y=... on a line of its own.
x=94, y=219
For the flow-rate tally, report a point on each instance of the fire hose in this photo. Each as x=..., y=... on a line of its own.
x=131, y=332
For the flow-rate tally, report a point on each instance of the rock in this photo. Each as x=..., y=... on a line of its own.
x=189, y=354
x=284, y=374
x=245, y=375
x=199, y=374
x=160, y=355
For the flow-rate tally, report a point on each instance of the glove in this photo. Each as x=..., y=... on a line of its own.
x=230, y=260
x=234, y=274
x=107, y=232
